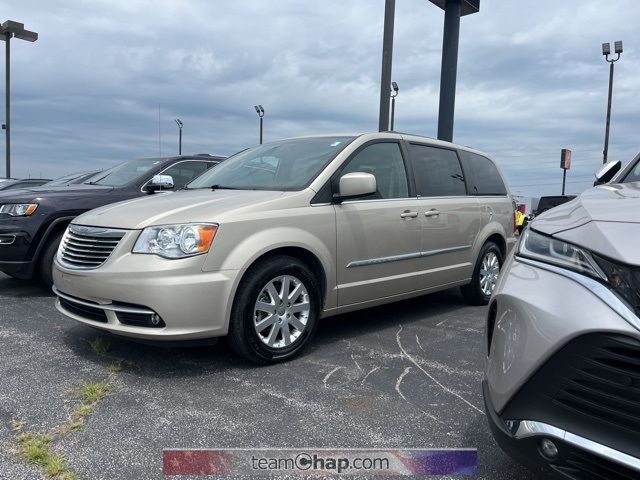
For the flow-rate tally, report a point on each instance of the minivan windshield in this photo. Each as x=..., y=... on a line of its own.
x=284, y=165
x=124, y=173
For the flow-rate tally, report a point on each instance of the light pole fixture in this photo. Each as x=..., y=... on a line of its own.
x=606, y=51
x=260, y=112
x=180, y=124
x=9, y=30
x=394, y=94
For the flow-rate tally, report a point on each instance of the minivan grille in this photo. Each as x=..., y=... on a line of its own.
x=87, y=247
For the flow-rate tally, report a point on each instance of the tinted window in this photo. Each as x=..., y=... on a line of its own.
x=184, y=172
x=383, y=161
x=633, y=175
x=437, y=171
x=285, y=165
x=486, y=179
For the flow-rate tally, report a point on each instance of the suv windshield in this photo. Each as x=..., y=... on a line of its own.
x=124, y=173
x=633, y=175
x=67, y=179
x=284, y=165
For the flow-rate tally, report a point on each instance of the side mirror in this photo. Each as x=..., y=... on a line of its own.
x=606, y=172
x=355, y=184
x=159, y=183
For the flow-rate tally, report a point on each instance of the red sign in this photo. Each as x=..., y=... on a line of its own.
x=565, y=159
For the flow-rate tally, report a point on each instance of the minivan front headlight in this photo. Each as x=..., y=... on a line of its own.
x=176, y=241
x=18, y=209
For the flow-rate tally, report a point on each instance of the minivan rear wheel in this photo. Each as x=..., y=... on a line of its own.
x=275, y=312
x=485, y=275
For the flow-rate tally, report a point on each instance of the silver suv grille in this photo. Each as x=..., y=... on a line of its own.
x=83, y=248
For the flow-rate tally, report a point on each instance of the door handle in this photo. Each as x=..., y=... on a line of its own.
x=432, y=213
x=408, y=214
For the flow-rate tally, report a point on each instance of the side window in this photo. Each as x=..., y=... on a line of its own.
x=184, y=172
x=383, y=161
x=486, y=179
x=437, y=171
x=633, y=175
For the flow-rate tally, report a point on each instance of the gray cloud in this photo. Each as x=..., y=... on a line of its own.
x=531, y=79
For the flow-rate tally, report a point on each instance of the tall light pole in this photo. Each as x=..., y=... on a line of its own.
x=387, y=60
x=179, y=123
x=9, y=30
x=260, y=112
x=394, y=94
x=606, y=51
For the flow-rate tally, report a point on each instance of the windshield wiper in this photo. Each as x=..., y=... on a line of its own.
x=222, y=187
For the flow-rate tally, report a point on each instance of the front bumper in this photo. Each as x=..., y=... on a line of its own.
x=191, y=304
x=563, y=363
x=578, y=457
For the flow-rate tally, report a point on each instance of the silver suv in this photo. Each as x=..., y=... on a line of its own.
x=279, y=235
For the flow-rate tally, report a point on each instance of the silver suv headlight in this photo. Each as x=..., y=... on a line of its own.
x=176, y=241
x=18, y=209
x=622, y=279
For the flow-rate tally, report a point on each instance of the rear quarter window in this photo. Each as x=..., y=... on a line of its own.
x=482, y=175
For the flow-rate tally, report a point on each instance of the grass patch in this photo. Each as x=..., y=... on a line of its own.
x=35, y=449
x=94, y=392
x=99, y=346
x=115, y=368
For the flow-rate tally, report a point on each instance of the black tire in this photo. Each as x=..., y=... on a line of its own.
x=45, y=265
x=243, y=337
x=472, y=292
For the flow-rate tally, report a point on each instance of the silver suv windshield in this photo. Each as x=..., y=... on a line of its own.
x=124, y=173
x=284, y=165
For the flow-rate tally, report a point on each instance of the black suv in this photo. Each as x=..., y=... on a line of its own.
x=32, y=221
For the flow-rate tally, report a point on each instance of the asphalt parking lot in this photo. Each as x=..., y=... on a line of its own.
x=402, y=375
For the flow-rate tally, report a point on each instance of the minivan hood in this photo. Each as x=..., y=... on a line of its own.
x=604, y=219
x=203, y=205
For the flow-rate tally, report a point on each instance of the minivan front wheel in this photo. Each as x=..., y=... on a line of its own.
x=275, y=312
x=485, y=275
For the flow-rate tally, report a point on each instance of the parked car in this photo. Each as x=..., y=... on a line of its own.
x=562, y=382
x=547, y=203
x=32, y=221
x=281, y=234
x=71, y=179
x=23, y=183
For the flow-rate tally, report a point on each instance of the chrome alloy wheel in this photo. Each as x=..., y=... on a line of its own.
x=489, y=272
x=281, y=312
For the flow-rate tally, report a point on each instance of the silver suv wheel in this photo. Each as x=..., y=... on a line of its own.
x=489, y=273
x=281, y=311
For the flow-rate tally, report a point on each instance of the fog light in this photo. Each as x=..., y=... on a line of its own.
x=548, y=449
x=155, y=319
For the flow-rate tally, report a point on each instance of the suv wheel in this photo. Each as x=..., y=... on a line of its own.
x=485, y=275
x=275, y=311
x=45, y=266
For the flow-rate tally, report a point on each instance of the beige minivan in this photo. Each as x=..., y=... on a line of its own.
x=282, y=234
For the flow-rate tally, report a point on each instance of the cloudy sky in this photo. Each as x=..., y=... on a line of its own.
x=106, y=79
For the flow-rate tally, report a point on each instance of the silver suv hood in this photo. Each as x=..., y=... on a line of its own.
x=202, y=205
x=604, y=219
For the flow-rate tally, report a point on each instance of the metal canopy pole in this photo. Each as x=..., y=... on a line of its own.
x=7, y=115
x=449, y=69
x=387, y=56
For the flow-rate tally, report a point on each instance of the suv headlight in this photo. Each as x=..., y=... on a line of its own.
x=18, y=209
x=622, y=279
x=176, y=241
